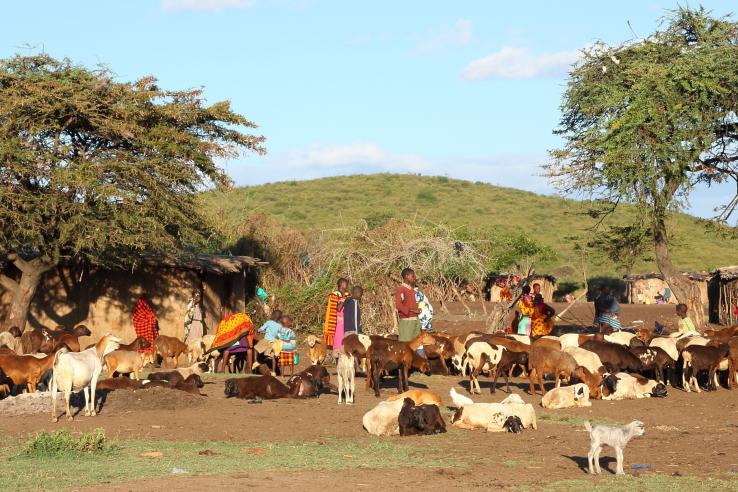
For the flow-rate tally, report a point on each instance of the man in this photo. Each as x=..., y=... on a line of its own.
x=407, y=307
x=145, y=324
x=270, y=330
x=333, y=325
x=352, y=312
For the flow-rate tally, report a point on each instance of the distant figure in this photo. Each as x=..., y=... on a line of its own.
x=407, y=307
x=333, y=325
x=607, y=311
x=145, y=323
x=684, y=322
x=667, y=295
x=525, y=307
x=542, y=318
x=194, y=325
x=352, y=312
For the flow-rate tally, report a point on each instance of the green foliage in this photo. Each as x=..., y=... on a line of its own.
x=61, y=443
x=104, y=169
x=426, y=196
x=645, y=121
x=306, y=302
x=625, y=245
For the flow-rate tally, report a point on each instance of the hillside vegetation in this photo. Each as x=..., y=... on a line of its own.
x=341, y=202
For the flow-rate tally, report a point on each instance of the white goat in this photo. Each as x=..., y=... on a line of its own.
x=623, y=386
x=195, y=350
x=481, y=355
x=615, y=437
x=576, y=395
x=74, y=371
x=492, y=416
x=345, y=369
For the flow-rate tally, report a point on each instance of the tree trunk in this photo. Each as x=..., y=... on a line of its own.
x=24, y=289
x=683, y=289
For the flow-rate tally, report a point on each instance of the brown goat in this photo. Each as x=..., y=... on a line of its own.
x=592, y=380
x=385, y=354
x=169, y=348
x=543, y=360
x=266, y=387
x=119, y=383
x=25, y=369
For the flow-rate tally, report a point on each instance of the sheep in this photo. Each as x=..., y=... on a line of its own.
x=577, y=339
x=420, y=397
x=317, y=349
x=567, y=397
x=478, y=355
x=125, y=362
x=613, y=356
x=547, y=360
x=346, y=371
x=624, y=386
x=620, y=337
x=615, y=437
x=585, y=358
x=382, y=420
x=420, y=420
x=492, y=416
x=668, y=345
x=655, y=359
x=74, y=371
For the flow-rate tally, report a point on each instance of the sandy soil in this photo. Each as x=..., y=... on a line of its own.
x=687, y=434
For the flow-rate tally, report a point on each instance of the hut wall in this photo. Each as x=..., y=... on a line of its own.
x=650, y=288
x=723, y=300
x=103, y=300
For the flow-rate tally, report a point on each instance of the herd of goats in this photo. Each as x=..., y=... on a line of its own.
x=621, y=365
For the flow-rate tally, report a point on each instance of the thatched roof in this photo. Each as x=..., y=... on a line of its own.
x=215, y=264
x=696, y=276
x=726, y=273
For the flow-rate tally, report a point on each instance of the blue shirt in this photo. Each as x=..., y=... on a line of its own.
x=270, y=328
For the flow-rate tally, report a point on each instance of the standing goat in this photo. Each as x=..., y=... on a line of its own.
x=345, y=369
x=615, y=437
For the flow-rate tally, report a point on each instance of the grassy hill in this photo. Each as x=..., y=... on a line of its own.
x=343, y=201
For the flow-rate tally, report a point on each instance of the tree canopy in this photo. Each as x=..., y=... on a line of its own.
x=646, y=121
x=95, y=168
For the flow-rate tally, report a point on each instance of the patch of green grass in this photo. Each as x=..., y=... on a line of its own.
x=62, y=444
x=645, y=483
x=125, y=463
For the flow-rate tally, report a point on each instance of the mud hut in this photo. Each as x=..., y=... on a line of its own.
x=723, y=295
x=495, y=285
x=103, y=299
x=645, y=288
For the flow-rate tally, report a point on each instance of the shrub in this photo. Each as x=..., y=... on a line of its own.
x=426, y=196
x=61, y=443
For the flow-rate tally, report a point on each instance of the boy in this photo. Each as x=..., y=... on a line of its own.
x=269, y=329
x=352, y=312
x=684, y=323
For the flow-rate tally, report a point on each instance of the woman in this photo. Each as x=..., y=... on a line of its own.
x=607, y=311
x=542, y=321
x=525, y=307
x=194, y=327
x=426, y=311
x=235, y=335
x=333, y=325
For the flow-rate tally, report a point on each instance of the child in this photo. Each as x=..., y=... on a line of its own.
x=352, y=312
x=685, y=324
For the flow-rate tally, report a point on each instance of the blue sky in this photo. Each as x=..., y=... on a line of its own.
x=465, y=89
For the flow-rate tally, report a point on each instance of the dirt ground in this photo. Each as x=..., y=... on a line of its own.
x=686, y=434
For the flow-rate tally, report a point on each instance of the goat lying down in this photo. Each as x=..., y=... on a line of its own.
x=382, y=420
x=624, y=386
x=492, y=416
x=567, y=396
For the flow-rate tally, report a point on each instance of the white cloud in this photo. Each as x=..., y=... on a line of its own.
x=460, y=34
x=518, y=63
x=205, y=5
x=350, y=157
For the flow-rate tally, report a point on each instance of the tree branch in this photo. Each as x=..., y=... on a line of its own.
x=8, y=283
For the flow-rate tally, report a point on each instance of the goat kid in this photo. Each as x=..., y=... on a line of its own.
x=615, y=437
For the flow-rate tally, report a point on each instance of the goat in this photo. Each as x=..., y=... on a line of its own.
x=507, y=362
x=191, y=384
x=357, y=345
x=420, y=397
x=479, y=355
x=654, y=359
x=382, y=420
x=698, y=358
x=169, y=348
x=125, y=362
x=419, y=419
x=317, y=349
x=439, y=347
x=385, y=354
x=620, y=337
x=614, y=357
x=345, y=369
x=547, y=341
x=492, y=416
x=615, y=437
x=567, y=397
x=122, y=382
x=547, y=360
x=74, y=371
x=171, y=377
x=195, y=350
x=12, y=340
x=196, y=368
x=266, y=387
x=576, y=339
x=585, y=358
x=593, y=380
x=303, y=385
x=26, y=369
x=459, y=400
x=624, y=386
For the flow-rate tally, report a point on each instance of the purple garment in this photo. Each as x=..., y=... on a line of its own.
x=240, y=346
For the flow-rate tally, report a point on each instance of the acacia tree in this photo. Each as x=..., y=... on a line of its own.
x=646, y=121
x=100, y=170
